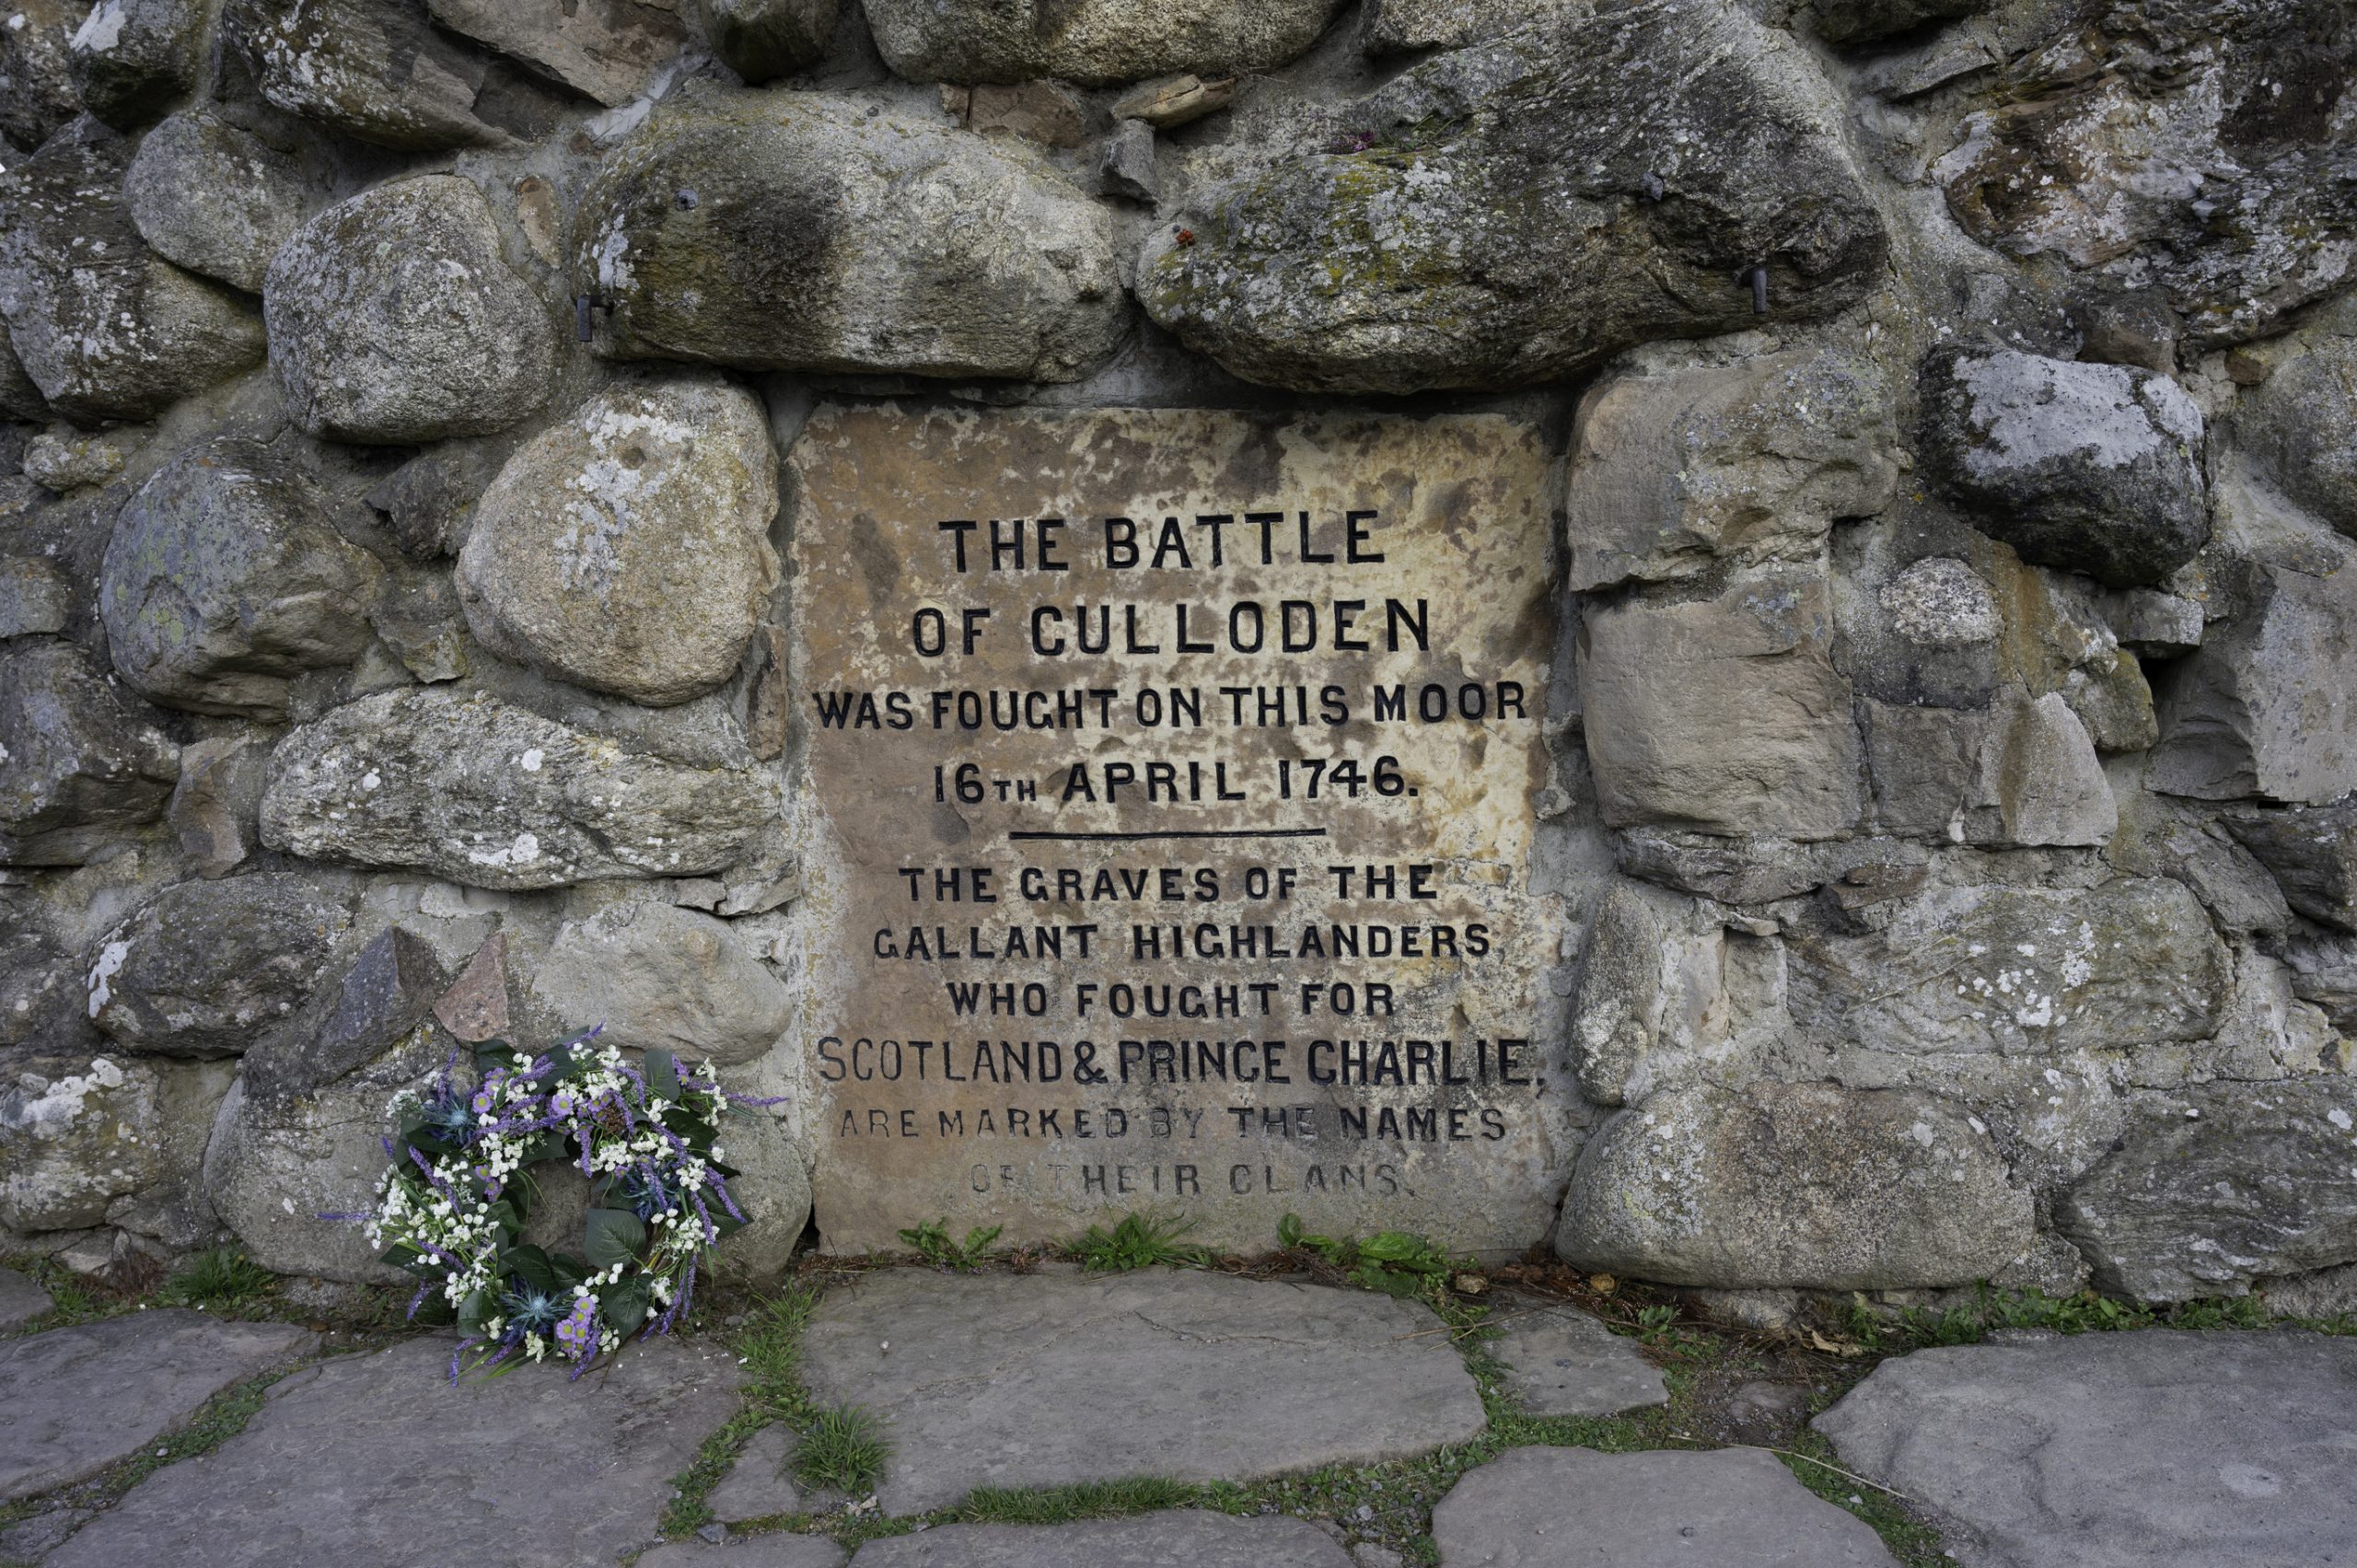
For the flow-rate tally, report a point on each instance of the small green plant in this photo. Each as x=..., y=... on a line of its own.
x=844, y=1447
x=1139, y=1241
x=219, y=1276
x=931, y=1242
x=1397, y=1263
x=1657, y=1325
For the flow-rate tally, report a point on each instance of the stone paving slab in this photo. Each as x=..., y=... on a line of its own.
x=757, y=1485
x=375, y=1459
x=748, y=1552
x=74, y=1400
x=21, y=1300
x=1561, y=1361
x=1186, y=1538
x=2157, y=1448
x=1054, y=1377
x=1577, y=1508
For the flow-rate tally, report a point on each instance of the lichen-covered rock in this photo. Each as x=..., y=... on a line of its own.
x=131, y=59
x=38, y=95
x=2093, y=468
x=1794, y=1185
x=80, y=762
x=388, y=992
x=795, y=231
x=19, y=398
x=1516, y=212
x=64, y=459
x=33, y=598
x=2267, y=706
x=213, y=197
x=224, y=580
x=1723, y=714
x=1395, y=27
x=1652, y=979
x=625, y=548
x=77, y=1132
x=1941, y=603
x=760, y=39
x=606, y=48
x=484, y=793
x=2023, y=970
x=1865, y=21
x=2312, y=852
x=1674, y=472
x=104, y=326
x=2087, y=156
x=206, y=967
x=656, y=976
x=393, y=318
x=374, y=69
x=271, y=1169
x=1092, y=41
x=2220, y=1185
x=2301, y=422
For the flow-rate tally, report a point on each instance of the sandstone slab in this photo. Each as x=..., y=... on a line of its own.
x=1516, y=211
x=1189, y=1537
x=1097, y=43
x=393, y=318
x=484, y=793
x=2092, y=467
x=795, y=231
x=206, y=967
x=1039, y=1379
x=1673, y=473
x=403, y=1454
x=83, y=762
x=2158, y=1449
x=1794, y=1185
x=2220, y=1185
x=225, y=579
x=1419, y=654
x=625, y=548
x=1723, y=715
x=212, y=196
x=1559, y=1361
x=74, y=1400
x=103, y=326
x=21, y=1300
x=1557, y=1507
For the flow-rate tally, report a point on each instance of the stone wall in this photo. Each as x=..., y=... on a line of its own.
x=1950, y=409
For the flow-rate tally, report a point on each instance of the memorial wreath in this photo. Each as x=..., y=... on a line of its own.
x=454, y=1198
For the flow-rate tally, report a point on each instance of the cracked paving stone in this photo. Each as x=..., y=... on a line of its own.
x=1667, y=1508
x=2159, y=1448
x=1186, y=1539
x=376, y=1458
x=1055, y=1378
x=757, y=1485
x=74, y=1400
x=748, y=1552
x=21, y=1300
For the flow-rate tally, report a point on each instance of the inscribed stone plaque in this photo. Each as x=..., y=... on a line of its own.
x=1166, y=797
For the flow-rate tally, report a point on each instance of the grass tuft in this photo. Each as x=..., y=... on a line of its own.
x=1140, y=1241
x=217, y=1277
x=844, y=1448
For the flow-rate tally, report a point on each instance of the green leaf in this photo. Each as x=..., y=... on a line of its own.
x=531, y=1265
x=490, y=1053
x=570, y=1271
x=663, y=1075
x=611, y=1237
x=624, y=1307
x=1289, y=1231
x=472, y=1311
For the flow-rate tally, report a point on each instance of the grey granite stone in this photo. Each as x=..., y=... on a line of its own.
x=1188, y=1539
x=21, y=1300
x=377, y=1459
x=757, y=1485
x=748, y=1551
x=1576, y=1508
x=2160, y=1449
x=1559, y=1361
x=1055, y=1378
x=74, y=1400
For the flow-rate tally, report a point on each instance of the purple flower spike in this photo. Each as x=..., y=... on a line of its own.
x=720, y=1185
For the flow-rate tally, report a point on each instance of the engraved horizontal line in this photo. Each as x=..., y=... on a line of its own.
x=1179, y=833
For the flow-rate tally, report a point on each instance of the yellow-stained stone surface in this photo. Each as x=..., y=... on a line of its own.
x=1107, y=909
